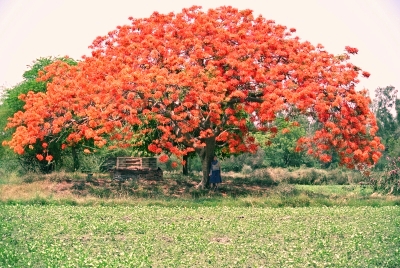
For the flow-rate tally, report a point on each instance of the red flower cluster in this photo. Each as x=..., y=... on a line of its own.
x=351, y=50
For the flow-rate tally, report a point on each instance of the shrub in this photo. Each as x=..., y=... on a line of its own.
x=389, y=182
x=312, y=176
x=337, y=177
x=304, y=176
x=246, y=169
x=263, y=177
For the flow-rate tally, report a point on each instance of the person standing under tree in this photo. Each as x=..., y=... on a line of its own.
x=215, y=173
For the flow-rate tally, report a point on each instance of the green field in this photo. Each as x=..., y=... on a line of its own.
x=154, y=236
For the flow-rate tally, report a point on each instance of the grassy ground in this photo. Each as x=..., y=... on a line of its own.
x=142, y=236
x=70, y=220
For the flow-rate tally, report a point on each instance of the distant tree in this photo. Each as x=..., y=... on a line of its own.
x=280, y=145
x=386, y=107
x=201, y=76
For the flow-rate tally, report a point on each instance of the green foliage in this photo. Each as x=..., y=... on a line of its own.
x=233, y=162
x=280, y=148
x=6, y=155
x=386, y=107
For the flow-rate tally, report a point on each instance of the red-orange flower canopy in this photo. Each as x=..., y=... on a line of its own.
x=197, y=76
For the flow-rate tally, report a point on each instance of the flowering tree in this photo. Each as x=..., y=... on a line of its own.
x=45, y=153
x=195, y=81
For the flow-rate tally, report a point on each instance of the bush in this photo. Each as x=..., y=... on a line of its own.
x=262, y=177
x=246, y=169
x=389, y=182
x=304, y=176
x=336, y=176
x=312, y=176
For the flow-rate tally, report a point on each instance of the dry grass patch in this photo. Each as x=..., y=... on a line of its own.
x=42, y=189
x=261, y=188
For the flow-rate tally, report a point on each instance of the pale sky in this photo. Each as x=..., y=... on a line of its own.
x=30, y=29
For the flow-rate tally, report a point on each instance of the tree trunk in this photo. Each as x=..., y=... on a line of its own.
x=185, y=167
x=206, y=154
x=75, y=158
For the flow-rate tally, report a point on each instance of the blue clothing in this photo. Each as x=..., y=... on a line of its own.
x=215, y=172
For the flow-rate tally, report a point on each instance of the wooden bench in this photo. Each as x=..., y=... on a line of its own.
x=136, y=167
x=133, y=163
